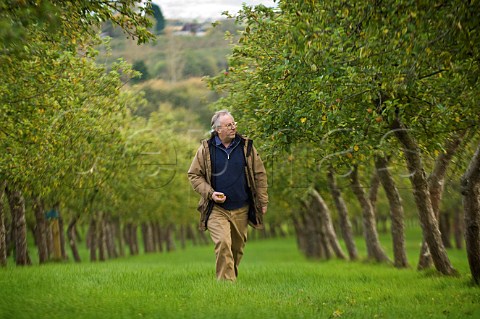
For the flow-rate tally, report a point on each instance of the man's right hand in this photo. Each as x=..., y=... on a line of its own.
x=219, y=197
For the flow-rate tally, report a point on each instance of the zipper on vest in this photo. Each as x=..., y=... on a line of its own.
x=228, y=154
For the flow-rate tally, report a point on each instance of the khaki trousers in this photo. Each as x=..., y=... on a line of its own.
x=228, y=230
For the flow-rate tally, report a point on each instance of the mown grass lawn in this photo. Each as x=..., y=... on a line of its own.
x=275, y=281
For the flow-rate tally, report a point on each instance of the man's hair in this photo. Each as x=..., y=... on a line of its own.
x=215, y=118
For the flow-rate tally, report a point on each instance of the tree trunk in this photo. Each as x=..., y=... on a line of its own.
x=345, y=225
x=374, y=248
x=418, y=179
x=119, y=237
x=396, y=212
x=471, y=206
x=373, y=192
x=17, y=208
x=10, y=237
x=40, y=230
x=324, y=213
x=436, y=185
x=3, y=230
x=147, y=235
x=126, y=236
x=102, y=238
x=134, y=238
x=92, y=238
x=445, y=229
x=72, y=238
x=49, y=237
x=61, y=227
x=110, y=237
x=131, y=238
x=157, y=231
x=169, y=238
x=316, y=244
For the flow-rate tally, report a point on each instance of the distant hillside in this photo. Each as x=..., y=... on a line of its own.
x=184, y=50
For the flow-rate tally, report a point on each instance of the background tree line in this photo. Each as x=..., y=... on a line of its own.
x=74, y=153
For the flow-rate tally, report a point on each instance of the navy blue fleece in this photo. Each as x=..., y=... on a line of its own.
x=229, y=173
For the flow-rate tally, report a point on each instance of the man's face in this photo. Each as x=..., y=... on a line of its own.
x=227, y=129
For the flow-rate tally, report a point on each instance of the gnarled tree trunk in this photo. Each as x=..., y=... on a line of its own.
x=345, y=225
x=396, y=212
x=418, y=179
x=17, y=208
x=40, y=230
x=72, y=238
x=324, y=214
x=92, y=238
x=436, y=185
x=471, y=205
x=374, y=248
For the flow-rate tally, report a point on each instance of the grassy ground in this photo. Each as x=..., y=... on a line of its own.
x=275, y=282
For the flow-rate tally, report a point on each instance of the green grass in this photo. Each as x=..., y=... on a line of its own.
x=275, y=282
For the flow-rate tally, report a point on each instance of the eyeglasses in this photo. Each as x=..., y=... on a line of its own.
x=231, y=126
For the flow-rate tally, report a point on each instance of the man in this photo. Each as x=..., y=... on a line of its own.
x=230, y=176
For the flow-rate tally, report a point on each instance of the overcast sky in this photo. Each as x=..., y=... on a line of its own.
x=204, y=9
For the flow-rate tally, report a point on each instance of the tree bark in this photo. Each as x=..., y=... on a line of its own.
x=110, y=237
x=373, y=192
x=61, y=227
x=324, y=213
x=471, y=205
x=345, y=225
x=169, y=238
x=72, y=239
x=102, y=238
x=318, y=246
x=396, y=212
x=92, y=238
x=17, y=208
x=119, y=237
x=147, y=235
x=3, y=230
x=131, y=238
x=374, y=248
x=157, y=231
x=445, y=228
x=418, y=179
x=436, y=185
x=40, y=230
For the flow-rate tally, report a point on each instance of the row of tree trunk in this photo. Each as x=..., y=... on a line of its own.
x=106, y=237
x=315, y=232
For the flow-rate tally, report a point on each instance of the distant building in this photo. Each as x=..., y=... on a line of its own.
x=192, y=28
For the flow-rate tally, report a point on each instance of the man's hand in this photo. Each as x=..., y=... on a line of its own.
x=264, y=210
x=219, y=197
